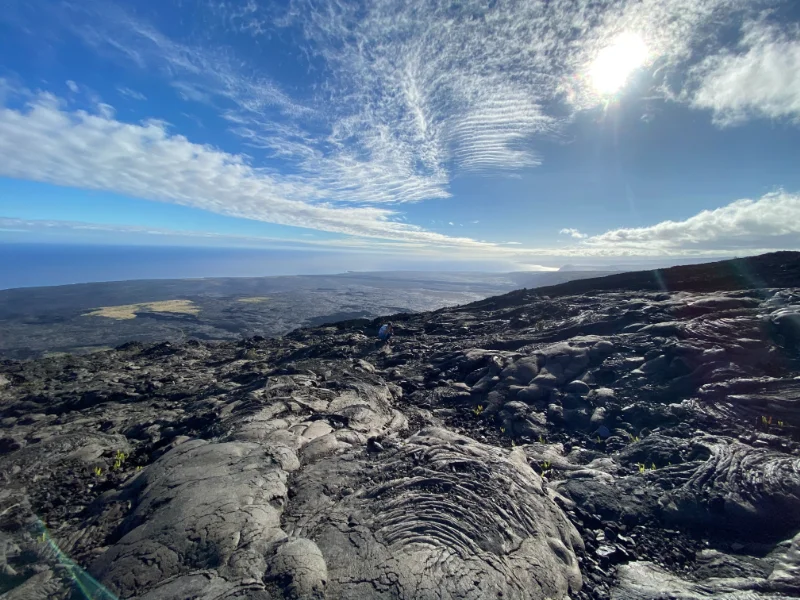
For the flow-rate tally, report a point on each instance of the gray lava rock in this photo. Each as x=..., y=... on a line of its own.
x=533, y=393
x=598, y=418
x=407, y=523
x=601, y=396
x=521, y=371
x=602, y=431
x=300, y=569
x=518, y=420
x=786, y=323
x=486, y=383
x=601, y=350
x=577, y=387
x=740, y=488
x=545, y=380
x=201, y=505
x=659, y=364
x=290, y=468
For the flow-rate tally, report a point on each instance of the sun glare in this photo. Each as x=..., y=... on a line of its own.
x=615, y=63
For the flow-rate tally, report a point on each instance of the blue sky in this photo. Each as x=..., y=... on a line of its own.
x=517, y=132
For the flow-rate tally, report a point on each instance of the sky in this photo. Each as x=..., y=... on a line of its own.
x=519, y=133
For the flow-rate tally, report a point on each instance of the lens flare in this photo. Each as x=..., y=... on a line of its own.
x=83, y=582
x=614, y=64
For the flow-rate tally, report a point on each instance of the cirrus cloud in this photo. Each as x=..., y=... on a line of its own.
x=45, y=142
x=409, y=94
x=406, y=101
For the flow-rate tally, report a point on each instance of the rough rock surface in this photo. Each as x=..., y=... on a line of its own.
x=623, y=445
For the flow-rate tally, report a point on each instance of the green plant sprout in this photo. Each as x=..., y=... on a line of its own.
x=780, y=423
x=119, y=459
x=139, y=468
x=98, y=471
x=502, y=430
x=478, y=410
x=652, y=466
x=642, y=467
x=545, y=466
x=541, y=439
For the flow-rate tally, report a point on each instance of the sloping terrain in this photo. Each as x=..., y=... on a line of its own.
x=627, y=445
x=773, y=270
x=98, y=316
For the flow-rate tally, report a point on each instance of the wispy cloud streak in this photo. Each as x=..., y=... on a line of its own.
x=45, y=142
x=407, y=94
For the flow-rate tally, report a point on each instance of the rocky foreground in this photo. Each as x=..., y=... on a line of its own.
x=629, y=445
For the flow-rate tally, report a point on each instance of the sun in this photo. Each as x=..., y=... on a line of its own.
x=614, y=64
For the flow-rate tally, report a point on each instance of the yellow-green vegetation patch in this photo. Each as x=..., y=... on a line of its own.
x=129, y=311
x=254, y=299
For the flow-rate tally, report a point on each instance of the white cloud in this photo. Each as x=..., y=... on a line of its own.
x=126, y=91
x=45, y=142
x=73, y=87
x=200, y=72
x=128, y=233
x=348, y=167
x=573, y=233
x=105, y=233
x=762, y=80
x=191, y=92
x=770, y=223
x=406, y=95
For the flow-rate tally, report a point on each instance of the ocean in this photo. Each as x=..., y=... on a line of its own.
x=35, y=265
x=38, y=265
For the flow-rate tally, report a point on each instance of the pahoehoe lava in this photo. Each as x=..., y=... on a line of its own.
x=597, y=440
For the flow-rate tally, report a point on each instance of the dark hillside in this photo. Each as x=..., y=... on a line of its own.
x=773, y=270
x=777, y=269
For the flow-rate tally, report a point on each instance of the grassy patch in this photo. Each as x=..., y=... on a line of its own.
x=254, y=299
x=129, y=311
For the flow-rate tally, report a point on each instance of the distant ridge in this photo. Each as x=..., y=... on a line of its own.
x=775, y=269
x=772, y=270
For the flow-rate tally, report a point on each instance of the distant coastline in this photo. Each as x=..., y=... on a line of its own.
x=40, y=265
